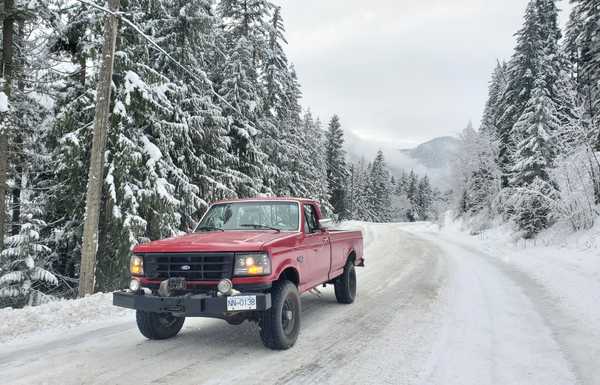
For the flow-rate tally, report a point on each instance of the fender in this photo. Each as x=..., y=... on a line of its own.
x=285, y=264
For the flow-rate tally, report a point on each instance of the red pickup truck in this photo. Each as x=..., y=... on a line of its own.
x=247, y=260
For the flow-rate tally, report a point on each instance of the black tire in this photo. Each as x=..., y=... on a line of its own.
x=158, y=326
x=345, y=285
x=280, y=325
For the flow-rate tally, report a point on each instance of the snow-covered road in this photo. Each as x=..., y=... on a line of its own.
x=431, y=309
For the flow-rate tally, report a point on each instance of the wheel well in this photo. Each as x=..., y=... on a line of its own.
x=351, y=257
x=290, y=274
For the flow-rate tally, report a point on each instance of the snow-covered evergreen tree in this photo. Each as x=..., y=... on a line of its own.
x=475, y=173
x=336, y=166
x=314, y=157
x=381, y=189
x=297, y=164
x=75, y=39
x=497, y=87
x=521, y=71
x=24, y=274
x=360, y=193
x=248, y=19
x=536, y=56
x=534, y=157
x=583, y=47
x=425, y=198
x=281, y=111
x=412, y=186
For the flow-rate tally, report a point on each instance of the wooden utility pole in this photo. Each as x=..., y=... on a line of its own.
x=7, y=74
x=87, y=273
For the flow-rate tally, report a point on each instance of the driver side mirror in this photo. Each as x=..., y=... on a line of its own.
x=325, y=223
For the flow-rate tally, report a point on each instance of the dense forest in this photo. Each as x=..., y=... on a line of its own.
x=535, y=159
x=205, y=105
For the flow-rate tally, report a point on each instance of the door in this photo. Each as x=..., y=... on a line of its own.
x=317, y=252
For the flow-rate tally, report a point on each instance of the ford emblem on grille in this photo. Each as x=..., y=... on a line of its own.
x=186, y=267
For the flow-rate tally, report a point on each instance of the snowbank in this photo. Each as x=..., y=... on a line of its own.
x=58, y=315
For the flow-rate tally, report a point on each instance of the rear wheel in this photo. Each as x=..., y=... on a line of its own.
x=158, y=326
x=280, y=325
x=345, y=284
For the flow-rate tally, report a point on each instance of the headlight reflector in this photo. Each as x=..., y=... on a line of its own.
x=136, y=265
x=252, y=264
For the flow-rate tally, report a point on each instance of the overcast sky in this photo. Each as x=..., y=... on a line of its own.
x=399, y=71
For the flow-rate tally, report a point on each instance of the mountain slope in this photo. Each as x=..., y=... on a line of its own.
x=431, y=158
x=436, y=153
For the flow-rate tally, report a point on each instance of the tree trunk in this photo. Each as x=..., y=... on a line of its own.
x=83, y=70
x=87, y=274
x=7, y=69
x=18, y=68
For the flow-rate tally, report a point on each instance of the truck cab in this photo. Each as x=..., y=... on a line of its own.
x=246, y=260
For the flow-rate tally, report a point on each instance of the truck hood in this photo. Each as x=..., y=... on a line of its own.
x=227, y=241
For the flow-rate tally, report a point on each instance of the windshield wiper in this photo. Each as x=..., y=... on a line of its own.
x=210, y=228
x=260, y=227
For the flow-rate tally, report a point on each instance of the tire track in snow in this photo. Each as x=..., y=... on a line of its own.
x=583, y=362
x=520, y=342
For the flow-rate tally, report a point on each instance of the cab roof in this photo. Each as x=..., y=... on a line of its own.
x=267, y=199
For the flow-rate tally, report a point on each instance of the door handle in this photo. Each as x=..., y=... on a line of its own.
x=300, y=258
x=326, y=239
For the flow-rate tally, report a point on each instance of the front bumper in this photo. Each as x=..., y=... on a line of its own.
x=197, y=305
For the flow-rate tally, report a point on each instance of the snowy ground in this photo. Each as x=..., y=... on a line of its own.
x=434, y=307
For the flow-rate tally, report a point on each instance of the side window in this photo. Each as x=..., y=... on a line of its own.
x=310, y=219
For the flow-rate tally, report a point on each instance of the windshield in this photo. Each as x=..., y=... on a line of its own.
x=280, y=216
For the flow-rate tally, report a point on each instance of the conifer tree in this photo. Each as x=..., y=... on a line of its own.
x=536, y=56
x=360, y=193
x=75, y=37
x=25, y=272
x=336, y=166
x=535, y=155
x=522, y=69
x=278, y=138
x=411, y=194
x=381, y=189
x=536, y=150
x=424, y=199
x=475, y=172
x=497, y=87
x=583, y=46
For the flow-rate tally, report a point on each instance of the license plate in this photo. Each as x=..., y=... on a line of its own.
x=242, y=302
x=177, y=284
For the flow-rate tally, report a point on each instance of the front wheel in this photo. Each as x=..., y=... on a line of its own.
x=158, y=326
x=345, y=285
x=280, y=325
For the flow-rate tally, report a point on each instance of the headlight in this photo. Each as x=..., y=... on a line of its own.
x=136, y=265
x=252, y=264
